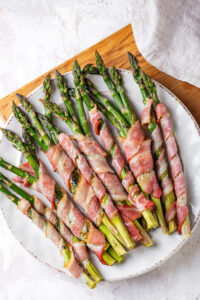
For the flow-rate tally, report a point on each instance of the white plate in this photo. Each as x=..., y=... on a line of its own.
x=141, y=259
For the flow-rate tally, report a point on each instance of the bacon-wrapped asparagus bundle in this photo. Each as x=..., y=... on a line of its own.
x=129, y=212
x=100, y=127
x=159, y=113
x=77, y=157
x=136, y=147
x=149, y=122
x=78, y=246
x=88, y=144
x=65, y=249
x=69, y=213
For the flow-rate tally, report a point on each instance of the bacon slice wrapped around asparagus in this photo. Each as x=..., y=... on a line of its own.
x=43, y=223
x=73, y=218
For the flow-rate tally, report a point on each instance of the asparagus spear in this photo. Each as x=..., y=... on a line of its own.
x=46, y=227
x=62, y=86
x=13, y=137
x=145, y=84
x=109, y=106
x=47, y=89
x=117, y=78
x=34, y=118
x=113, y=91
x=22, y=118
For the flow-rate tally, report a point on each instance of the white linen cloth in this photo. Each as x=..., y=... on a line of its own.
x=167, y=33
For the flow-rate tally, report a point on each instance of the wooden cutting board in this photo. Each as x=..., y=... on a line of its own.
x=114, y=52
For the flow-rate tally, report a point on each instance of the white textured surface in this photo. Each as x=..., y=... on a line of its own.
x=35, y=36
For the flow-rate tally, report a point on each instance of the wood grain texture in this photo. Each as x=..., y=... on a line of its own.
x=114, y=52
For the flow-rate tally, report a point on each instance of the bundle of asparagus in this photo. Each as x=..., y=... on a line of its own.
x=94, y=154
x=80, y=226
x=135, y=146
x=54, y=229
x=156, y=113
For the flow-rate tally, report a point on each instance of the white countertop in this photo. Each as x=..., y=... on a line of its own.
x=35, y=36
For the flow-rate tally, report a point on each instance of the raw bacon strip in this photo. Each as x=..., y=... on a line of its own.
x=137, y=152
x=81, y=162
x=132, y=229
x=164, y=118
x=102, y=169
x=142, y=162
x=61, y=162
x=131, y=144
x=45, y=184
x=131, y=212
x=51, y=233
x=118, y=161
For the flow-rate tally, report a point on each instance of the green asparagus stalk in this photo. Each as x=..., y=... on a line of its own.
x=15, y=139
x=22, y=118
x=81, y=113
x=117, y=78
x=148, y=90
x=113, y=91
x=107, y=104
x=47, y=89
x=24, y=102
x=62, y=86
x=62, y=114
x=29, y=142
x=54, y=131
x=89, y=69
